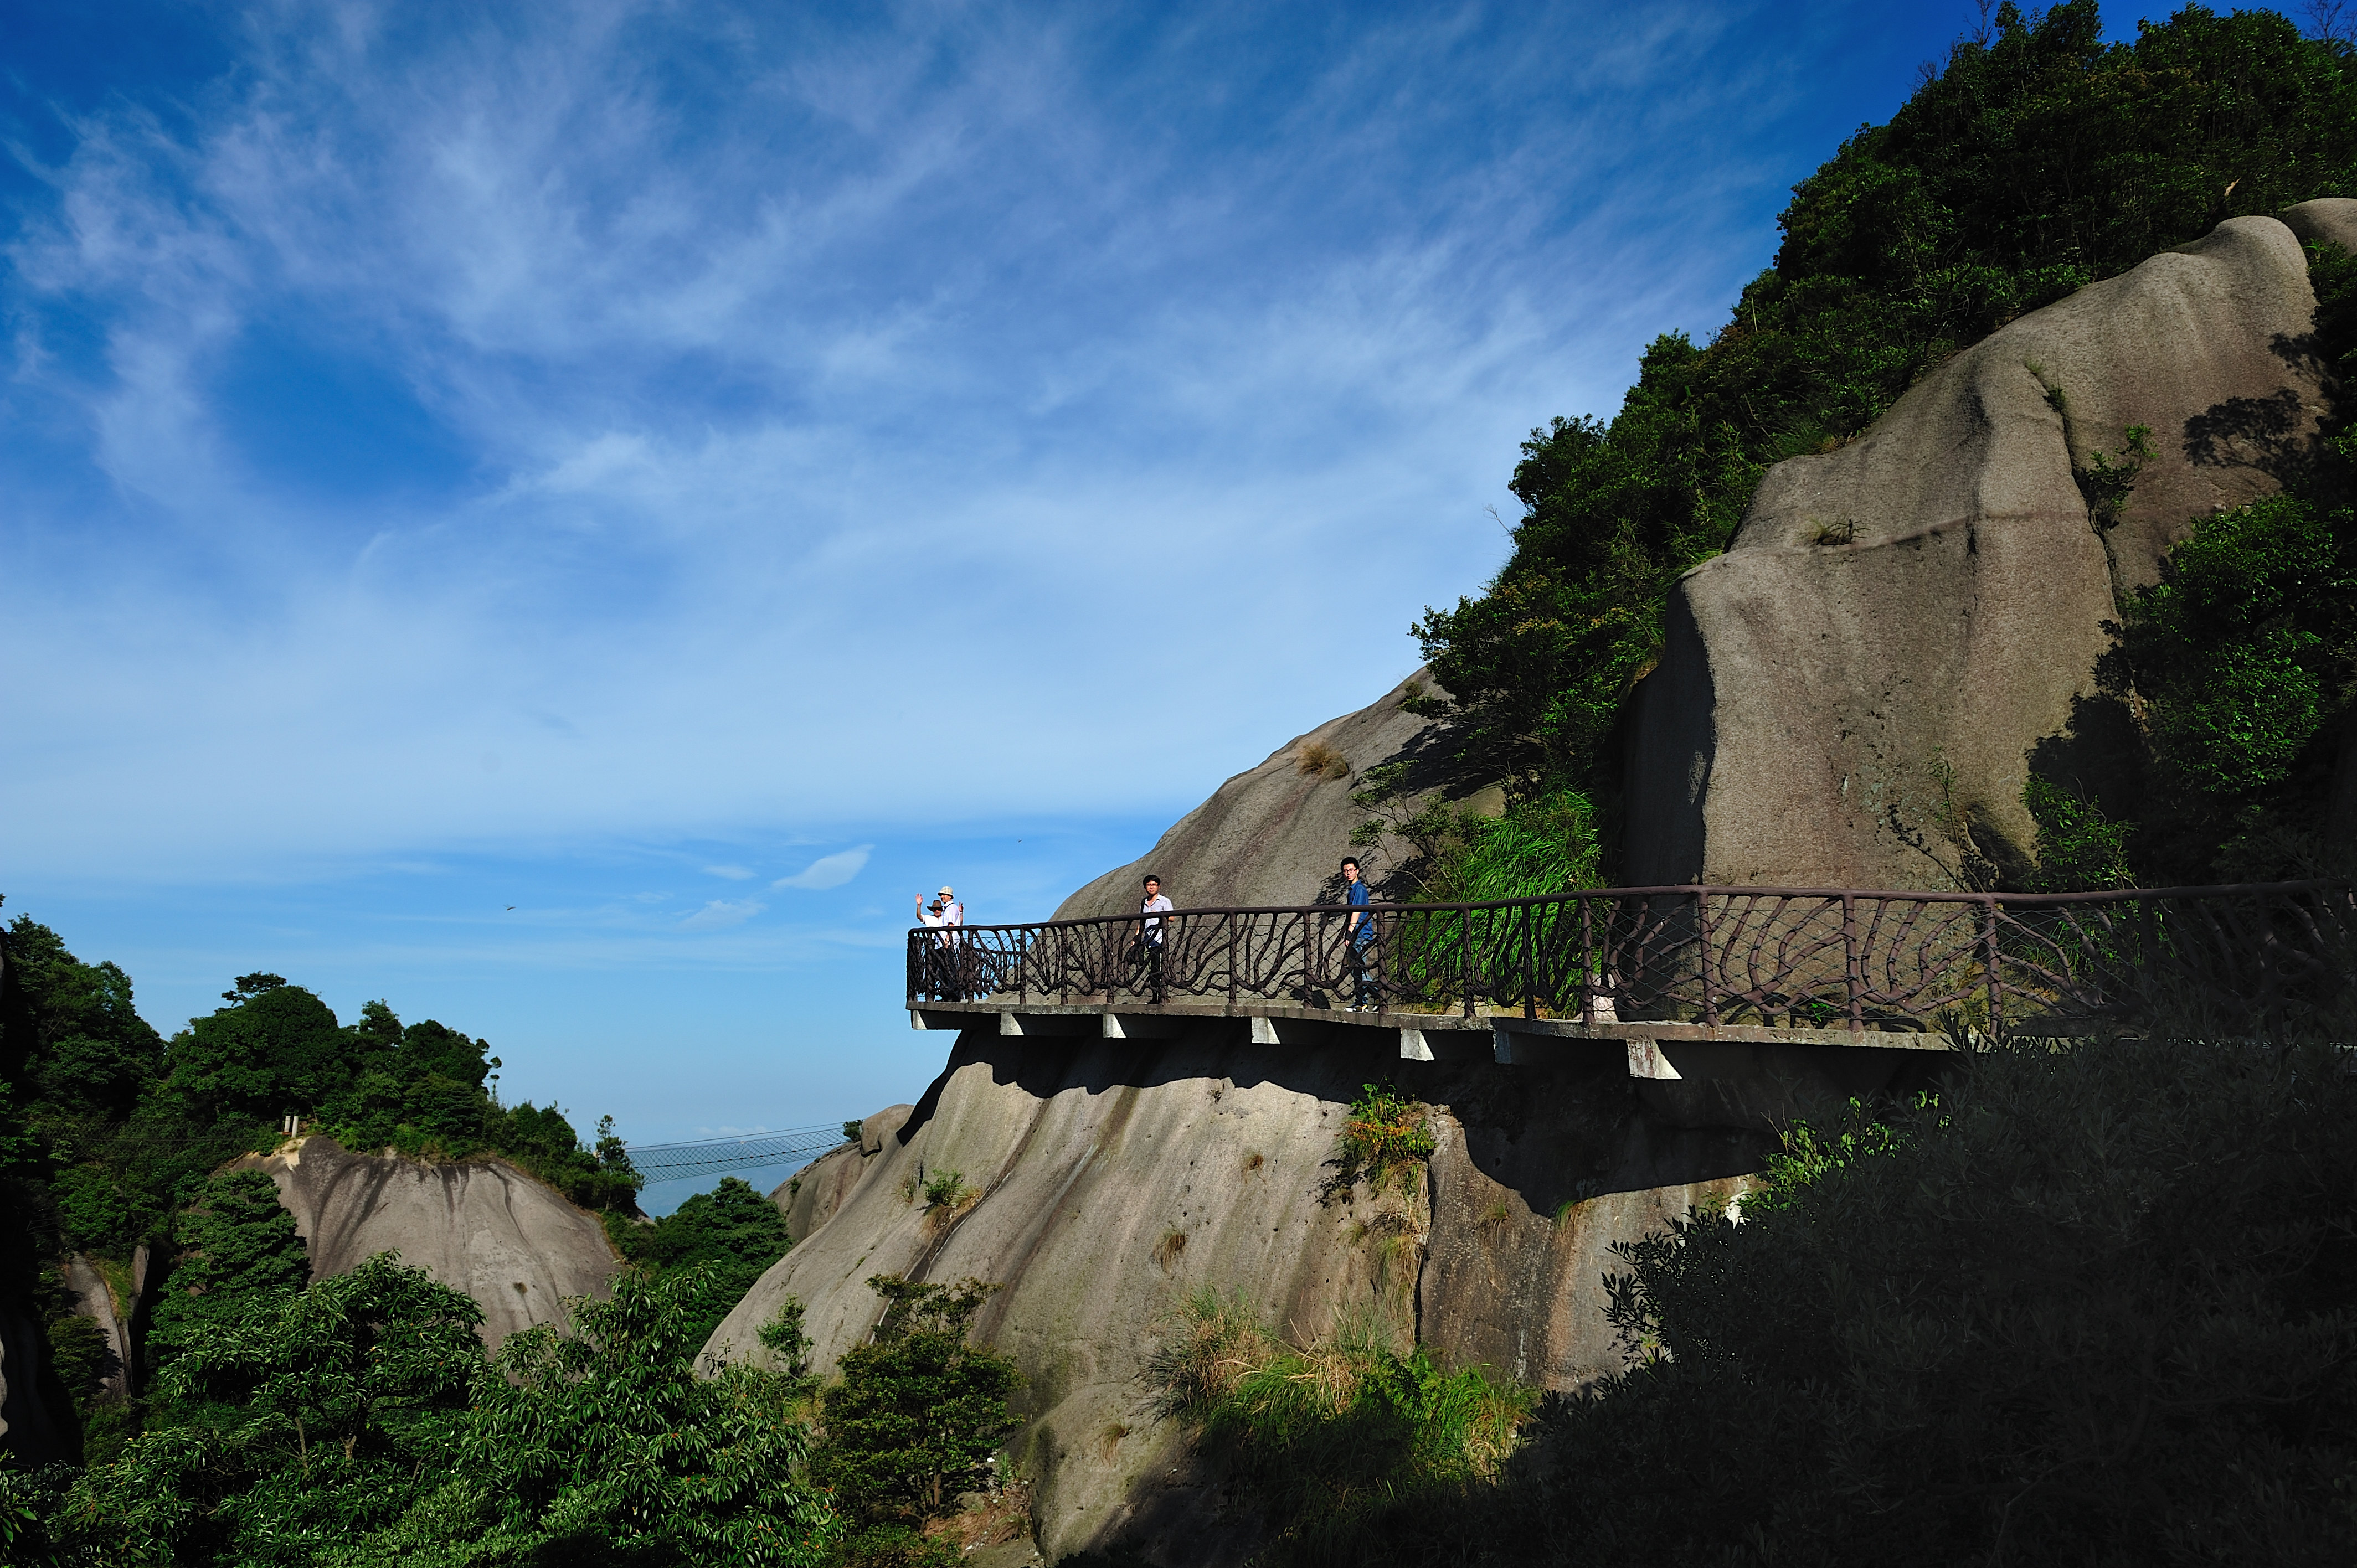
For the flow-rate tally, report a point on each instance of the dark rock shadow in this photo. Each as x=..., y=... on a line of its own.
x=1565, y=1130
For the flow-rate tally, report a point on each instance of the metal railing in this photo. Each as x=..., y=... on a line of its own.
x=1797, y=957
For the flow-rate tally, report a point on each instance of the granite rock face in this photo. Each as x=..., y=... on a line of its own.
x=1274, y=833
x=1114, y=1177
x=86, y=1287
x=1852, y=693
x=809, y=1196
x=477, y=1226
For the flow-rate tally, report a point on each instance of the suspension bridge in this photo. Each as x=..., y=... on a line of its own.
x=717, y=1156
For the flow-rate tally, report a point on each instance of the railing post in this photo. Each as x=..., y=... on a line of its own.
x=1702, y=930
x=1230, y=919
x=1530, y=955
x=1989, y=962
x=1850, y=963
x=1465, y=959
x=1587, y=975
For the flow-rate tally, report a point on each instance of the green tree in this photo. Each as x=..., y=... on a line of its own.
x=299, y=1417
x=241, y=1247
x=916, y=1417
x=274, y=1048
x=732, y=1233
x=600, y=1444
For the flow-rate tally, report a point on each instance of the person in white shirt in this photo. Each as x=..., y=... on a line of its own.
x=1154, y=905
x=944, y=912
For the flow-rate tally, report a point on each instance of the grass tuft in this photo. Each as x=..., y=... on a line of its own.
x=1315, y=759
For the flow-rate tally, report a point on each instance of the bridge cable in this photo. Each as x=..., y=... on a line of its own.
x=711, y=1156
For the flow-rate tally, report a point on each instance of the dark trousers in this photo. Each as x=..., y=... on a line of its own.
x=1153, y=970
x=1364, y=987
x=949, y=973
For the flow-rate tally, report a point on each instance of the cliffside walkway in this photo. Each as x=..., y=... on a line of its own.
x=1689, y=971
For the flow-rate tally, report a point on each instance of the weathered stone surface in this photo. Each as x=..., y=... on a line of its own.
x=810, y=1196
x=479, y=1226
x=87, y=1291
x=1114, y=1177
x=1274, y=834
x=1851, y=694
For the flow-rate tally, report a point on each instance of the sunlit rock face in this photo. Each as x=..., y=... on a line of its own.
x=479, y=1226
x=1850, y=695
x=1111, y=1179
x=1276, y=833
x=809, y=1196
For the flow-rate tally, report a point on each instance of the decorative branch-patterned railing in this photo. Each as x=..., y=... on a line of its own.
x=2242, y=956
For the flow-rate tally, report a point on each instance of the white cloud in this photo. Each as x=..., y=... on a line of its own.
x=829, y=870
x=722, y=913
x=733, y=872
x=863, y=396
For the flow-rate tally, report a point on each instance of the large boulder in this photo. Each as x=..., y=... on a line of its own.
x=809, y=1196
x=1851, y=694
x=1276, y=833
x=480, y=1226
x=1110, y=1180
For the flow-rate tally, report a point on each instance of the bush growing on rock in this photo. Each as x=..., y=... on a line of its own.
x=2093, y=1305
x=1329, y=1440
x=914, y=1421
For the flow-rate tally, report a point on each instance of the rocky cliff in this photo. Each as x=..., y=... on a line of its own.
x=1109, y=1178
x=479, y=1226
x=809, y=1196
x=1274, y=833
x=1851, y=694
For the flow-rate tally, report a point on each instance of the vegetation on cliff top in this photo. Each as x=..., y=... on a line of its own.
x=2037, y=160
x=111, y=1137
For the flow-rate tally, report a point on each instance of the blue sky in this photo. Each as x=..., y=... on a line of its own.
x=699, y=475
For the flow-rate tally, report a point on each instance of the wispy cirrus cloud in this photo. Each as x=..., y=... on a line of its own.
x=521, y=393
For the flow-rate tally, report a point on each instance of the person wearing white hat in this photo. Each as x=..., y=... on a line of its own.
x=946, y=911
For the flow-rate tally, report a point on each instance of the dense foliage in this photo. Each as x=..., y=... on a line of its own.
x=359, y=1422
x=731, y=1234
x=111, y=1139
x=2038, y=160
x=1328, y=1440
x=2092, y=1306
x=914, y=1421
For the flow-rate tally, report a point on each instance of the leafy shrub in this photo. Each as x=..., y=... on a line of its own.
x=1330, y=1438
x=915, y=1419
x=733, y=1233
x=947, y=1190
x=601, y=1444
x=295, y=1419
x=1384, y=1141
x=2079, y=848
x=2095, y=1304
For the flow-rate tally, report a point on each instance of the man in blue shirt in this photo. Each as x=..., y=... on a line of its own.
x=1361, y=937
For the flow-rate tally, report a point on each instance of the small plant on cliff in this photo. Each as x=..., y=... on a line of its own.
x=1329, y=1435
x=1318, y=760
x=914, y=1421
x=1384, y=1142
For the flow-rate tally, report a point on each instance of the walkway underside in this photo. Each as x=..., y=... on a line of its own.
x=1655, y=1051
